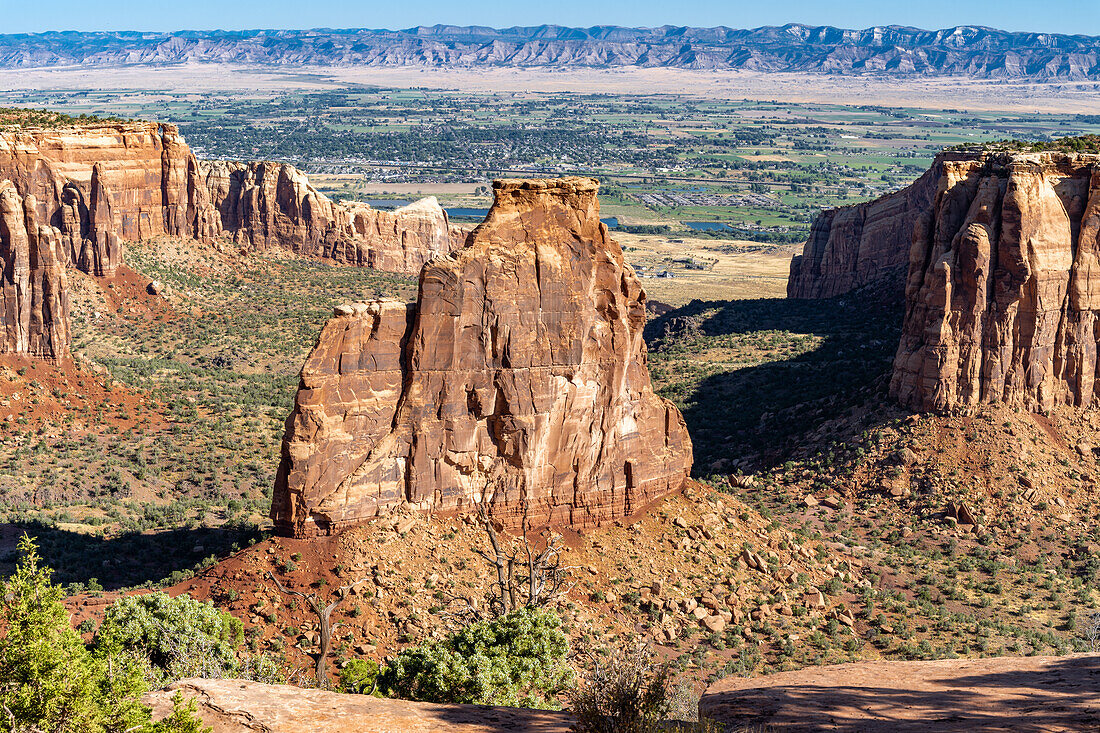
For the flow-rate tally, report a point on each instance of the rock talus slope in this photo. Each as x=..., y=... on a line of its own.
x=519, y=377
x=34, y=294
x=1003, y=293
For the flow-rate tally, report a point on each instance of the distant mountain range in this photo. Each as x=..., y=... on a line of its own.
x=968, y=51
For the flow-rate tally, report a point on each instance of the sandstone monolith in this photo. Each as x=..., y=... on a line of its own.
x=519, y=378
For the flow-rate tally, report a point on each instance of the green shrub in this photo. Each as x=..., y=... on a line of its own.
x=183, y=718
x=358, y=676
x=517, y=659
x=50, y=682
x=175, y=637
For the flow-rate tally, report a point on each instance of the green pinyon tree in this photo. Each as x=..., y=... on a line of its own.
x=50, y=682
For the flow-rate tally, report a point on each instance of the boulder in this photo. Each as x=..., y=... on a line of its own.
x=243, y=706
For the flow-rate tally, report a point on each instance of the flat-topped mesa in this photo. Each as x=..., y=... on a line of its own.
x=34, y=290
x=103, y=183
x=519, y=376
x=853, y=246
x=1003, y=293
x=265, y=205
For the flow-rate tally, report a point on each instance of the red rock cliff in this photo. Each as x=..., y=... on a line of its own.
x=855, y=245
x=1003, y=293
x=266, y=204
x=34, y=295
x=521, y=368
x=108, y=182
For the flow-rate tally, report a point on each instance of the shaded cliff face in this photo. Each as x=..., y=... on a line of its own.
x=520, y=372
x=1003, y=291
x=106, y=183
x=34, y=293
x=263, y=205
x=856, y=245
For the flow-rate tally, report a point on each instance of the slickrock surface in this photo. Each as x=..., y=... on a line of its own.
x=1004, y=286
x=264, y=204
x=34, y=289
x=522, y=368
x=242, y=706
x=855, y=245
x=1029, y=694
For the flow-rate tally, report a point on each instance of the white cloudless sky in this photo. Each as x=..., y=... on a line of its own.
x=1052, y=16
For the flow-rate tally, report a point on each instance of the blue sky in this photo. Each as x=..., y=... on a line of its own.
x=1053, y=16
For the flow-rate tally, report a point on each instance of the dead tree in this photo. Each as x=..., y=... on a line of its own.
x=525, y=575
x=324, y=622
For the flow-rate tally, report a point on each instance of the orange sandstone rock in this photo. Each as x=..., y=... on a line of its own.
x=1003, y=294
x=852, y=246
x=33, y=287
x=520, y=373
x=265, y=204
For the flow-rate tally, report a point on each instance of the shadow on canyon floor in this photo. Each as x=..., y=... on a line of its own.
x=755, y=378
x=1061, y=695
x=124, y=560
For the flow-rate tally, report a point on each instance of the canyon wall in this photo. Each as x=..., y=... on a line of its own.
x=856, y=245
x=518, y=378
x=81, y=192
x=34, y=293
x=263, y=205
x=108, y=182
x=1003, y=292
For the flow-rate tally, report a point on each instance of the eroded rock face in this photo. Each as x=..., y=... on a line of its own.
x=521, y=373
x=102, y=184
x=264, y=205
x=34, y=290
x=1003, y=293
x=856, y=245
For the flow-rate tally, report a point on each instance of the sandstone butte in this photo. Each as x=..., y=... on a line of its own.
x=1003, y=291
x=518, y=378
x=98, y=185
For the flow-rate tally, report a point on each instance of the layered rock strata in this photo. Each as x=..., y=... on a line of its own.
x=34, y=294
x=108, y=183
x=518, y=378
x=263, y=205
x=853, y=246
x=105, y=183
x=1003, y=293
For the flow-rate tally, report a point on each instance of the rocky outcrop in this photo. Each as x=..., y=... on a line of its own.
x=519, y=377
x=264, y=204
x=856, y=245
x=1003, y=293
x=105, y=183
x=34, y=292
x=244, y=706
